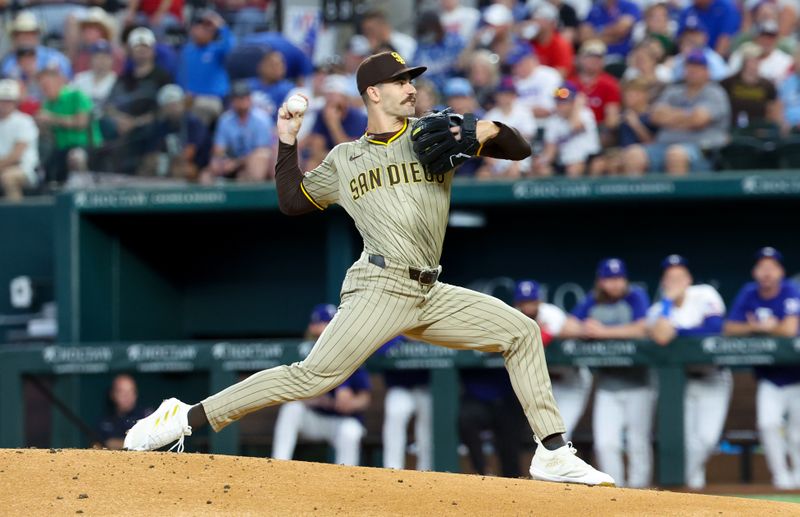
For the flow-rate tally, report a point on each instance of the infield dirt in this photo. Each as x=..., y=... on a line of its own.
x=95, y=482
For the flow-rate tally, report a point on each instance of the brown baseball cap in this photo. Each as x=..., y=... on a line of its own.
x=379, y=68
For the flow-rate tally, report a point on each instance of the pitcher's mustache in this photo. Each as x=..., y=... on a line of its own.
x=410, y=98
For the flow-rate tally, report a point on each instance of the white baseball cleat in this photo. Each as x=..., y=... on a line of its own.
x=563, y=466
x=169, y=423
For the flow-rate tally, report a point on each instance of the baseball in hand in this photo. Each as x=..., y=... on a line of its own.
x=296, y=104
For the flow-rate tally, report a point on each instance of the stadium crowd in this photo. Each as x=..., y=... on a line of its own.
x=163, y=89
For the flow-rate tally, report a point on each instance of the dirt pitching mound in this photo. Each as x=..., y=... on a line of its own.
x=92, y=482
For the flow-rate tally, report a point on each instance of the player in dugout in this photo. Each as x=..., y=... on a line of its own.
x=395, y=183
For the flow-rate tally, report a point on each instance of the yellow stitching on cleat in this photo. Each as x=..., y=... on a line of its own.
x=157, y=420
x=175, y=410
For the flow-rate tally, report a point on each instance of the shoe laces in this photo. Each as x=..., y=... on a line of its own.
x=571, y=448
x=178, y=446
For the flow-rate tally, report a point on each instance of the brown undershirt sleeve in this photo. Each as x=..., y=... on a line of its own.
x=288, y=179
x=508, y=144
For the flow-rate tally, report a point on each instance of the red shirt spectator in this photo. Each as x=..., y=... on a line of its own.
x=553, y=49
x=601, y=89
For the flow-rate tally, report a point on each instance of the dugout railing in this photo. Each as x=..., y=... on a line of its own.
x=223, y=362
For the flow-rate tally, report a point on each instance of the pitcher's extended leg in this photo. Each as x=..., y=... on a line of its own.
x=457, y=317
x=364, y=322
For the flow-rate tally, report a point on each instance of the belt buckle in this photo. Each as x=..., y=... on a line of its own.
x=428, y=276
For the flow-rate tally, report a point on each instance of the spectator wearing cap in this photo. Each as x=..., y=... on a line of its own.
x=408, y=395
x=483, y=73
x=65, y=116
x=459, y=95
x=19, y=141
x=612, y=21
x=625, y=397
x=242, y=142
x=496, y=33
x=535, y=82
x=687, y=310
x=693, y=38
x=336, y=417
x=202, y=60
x=437, y=49
x=571, y=138
x=693, y=120
x=182, y=143
x=271, y=87
x=601, y=89
x=568, y=20
x=757, y=12
x=720, y=19
x=161, y=15
x=636, y=126
x=95, y=27
x=770, y=306
x=26, y=34
x=508, y=110
x=97, y=81
x=774, y=64
x=571, y=385
x=459, y=19
x=789, y=95
x=132, y=105
x=337, y=122
x=380, y=34
x=552, y=47
x=754, y=99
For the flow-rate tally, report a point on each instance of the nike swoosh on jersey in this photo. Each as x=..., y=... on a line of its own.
x=356, y=156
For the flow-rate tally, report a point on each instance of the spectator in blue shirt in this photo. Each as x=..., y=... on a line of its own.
x=770, y=306
x=271, y=87
x=437, y=49
x=26, y=34
x=693, y=37
x=789, y=94
x=612, y=21
x=721, y=19
x=337, y=122
x=242, y=142
x=123, y=396
x=202, y=59
x=625, y=397
x=460, y=96
x=335, y=417
x=488, y=403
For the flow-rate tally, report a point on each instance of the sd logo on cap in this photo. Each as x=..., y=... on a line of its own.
x=384, y=67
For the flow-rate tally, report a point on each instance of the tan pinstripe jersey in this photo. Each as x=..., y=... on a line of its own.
x=399, y=209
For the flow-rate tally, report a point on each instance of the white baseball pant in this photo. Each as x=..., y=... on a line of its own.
x=705, y=407
x=295, y=419
x=630, y=412
x=400, y=405
x=778, y=417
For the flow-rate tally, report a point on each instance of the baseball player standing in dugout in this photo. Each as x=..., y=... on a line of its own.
x=395, y=183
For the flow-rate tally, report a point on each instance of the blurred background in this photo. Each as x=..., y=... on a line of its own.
x=651, y=234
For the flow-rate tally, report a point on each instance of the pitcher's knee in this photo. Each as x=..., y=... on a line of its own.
x=312, y=383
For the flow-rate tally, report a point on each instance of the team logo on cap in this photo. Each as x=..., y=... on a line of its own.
x=397, y=57
x=614, y=265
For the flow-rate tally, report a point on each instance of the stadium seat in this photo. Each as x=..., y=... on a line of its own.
x=788, y=153
x=743, y=153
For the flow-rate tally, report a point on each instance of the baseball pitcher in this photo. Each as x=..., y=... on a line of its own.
x=395, y=183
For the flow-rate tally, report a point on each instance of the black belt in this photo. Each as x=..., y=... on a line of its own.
x=423, y=276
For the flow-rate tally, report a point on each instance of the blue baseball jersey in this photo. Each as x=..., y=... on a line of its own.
x=786, y=303
x=720, y=18
x=629, y=309
x=626, y=310
x=601, y=16
x=354, y=125
x=357, y=382
x=115, y=425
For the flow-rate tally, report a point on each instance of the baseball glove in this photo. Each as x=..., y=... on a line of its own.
x=436, y=146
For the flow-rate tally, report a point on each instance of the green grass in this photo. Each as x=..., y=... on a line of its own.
x=785, y=498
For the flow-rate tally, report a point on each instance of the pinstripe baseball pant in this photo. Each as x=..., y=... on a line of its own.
x=378, y=304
